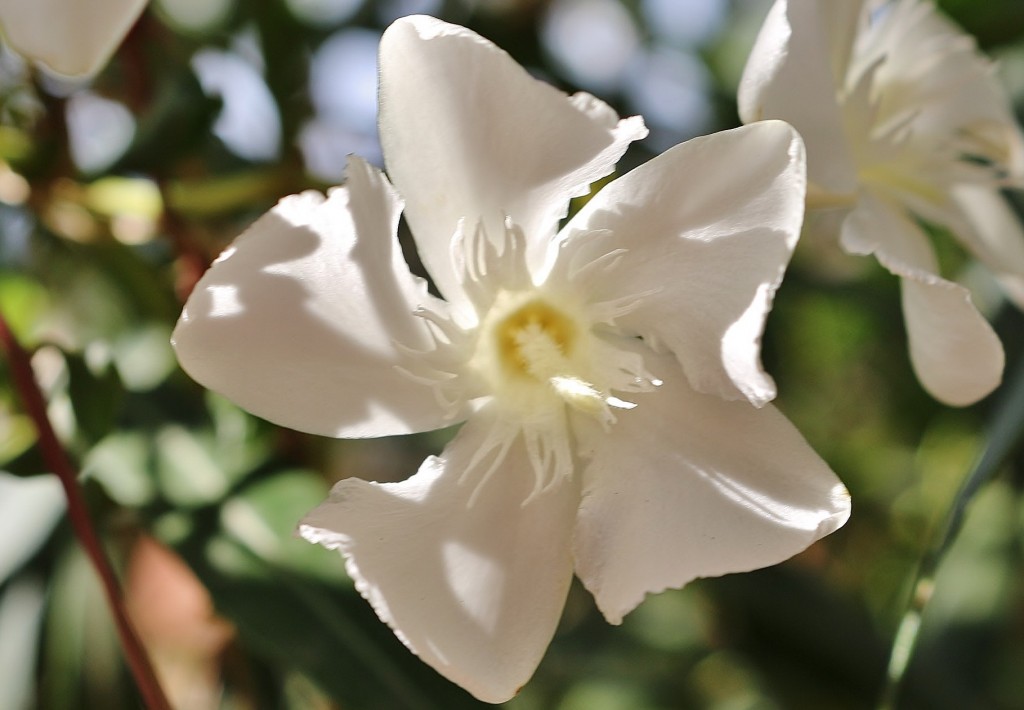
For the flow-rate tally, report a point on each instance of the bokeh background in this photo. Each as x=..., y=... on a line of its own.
x=114, y=196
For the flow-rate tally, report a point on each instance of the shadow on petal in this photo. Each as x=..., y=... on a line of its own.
x=296, y=321
x=475, y=590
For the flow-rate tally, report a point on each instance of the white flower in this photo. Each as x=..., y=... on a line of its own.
x=69, y=37
x=903, y=121
x=594, y=365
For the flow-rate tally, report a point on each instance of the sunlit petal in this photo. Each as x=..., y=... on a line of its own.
x=705, y=247
x=474, y=588
x=68, y=37
x=688, y=486
x=469, y=135
x=298, y=320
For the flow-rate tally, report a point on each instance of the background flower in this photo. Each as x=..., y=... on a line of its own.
x=67, y=37
x=904, y=121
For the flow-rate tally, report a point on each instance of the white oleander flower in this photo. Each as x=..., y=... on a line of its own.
x=605, y=371
x=69, y=37
x=904, y=122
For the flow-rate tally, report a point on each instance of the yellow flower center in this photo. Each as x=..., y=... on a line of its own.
x=535, y=355
x=535, y=341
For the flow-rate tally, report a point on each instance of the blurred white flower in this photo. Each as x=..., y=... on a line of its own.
x=249, y=123
x=343, y=90
x=100, y=130
x=606, y=371
x=592, y=40
x=904, y=121
x=68, y=37
x=687, y=23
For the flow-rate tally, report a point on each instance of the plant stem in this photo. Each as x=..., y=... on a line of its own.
x=1007, y=428
x=59, y=462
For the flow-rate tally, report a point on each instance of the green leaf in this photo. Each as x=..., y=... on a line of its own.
x=81, y=653
x=17, y=434
x=29, y=510
x=122, y=464
x=240, y=441
x=21, y=611
x=143, y=357
x=176, y=122
x=187, y=471
x=23, y=302
x=96, y=396
x=225, y=194
x=263, y=518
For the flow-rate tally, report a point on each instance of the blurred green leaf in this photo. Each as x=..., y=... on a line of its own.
x=29, y=510
x=242, y=441
x=96, y=396
x=17, y=434
x=598, y=694
x=143, y=356
x=23, y=301
x=188, y=473
x=174, y=125
x=21, y=611
x=123, y=464
x=263, y=517
x=669, y=621
x=974, y=581
x=81, y=656
x=111, y=196
x=15, y=145
x=992, y=21
x=144, y=292
x=226, y=194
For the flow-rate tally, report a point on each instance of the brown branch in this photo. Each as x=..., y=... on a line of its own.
x=58, y=461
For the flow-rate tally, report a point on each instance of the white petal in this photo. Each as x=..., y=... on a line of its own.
x=877, y=226
x=68, y=36
x=957, y=356
x=793, y=74
x=934, y=72
x=475, y=590
x=297, y=320
x=468, y=134
x=688, y=485
x=992, y=231
x=707, y=228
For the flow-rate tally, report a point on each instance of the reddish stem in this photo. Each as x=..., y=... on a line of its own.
x=58, y=461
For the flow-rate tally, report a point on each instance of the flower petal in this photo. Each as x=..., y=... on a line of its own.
x=878, y=226
x=468, y=135
x=474, y=589
x=793, y=74
x=707, y=229
x=957, y=356
x=297, y=321
x=71, y=38
x=689, y=485
x=992, y=231
x=934, y=72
